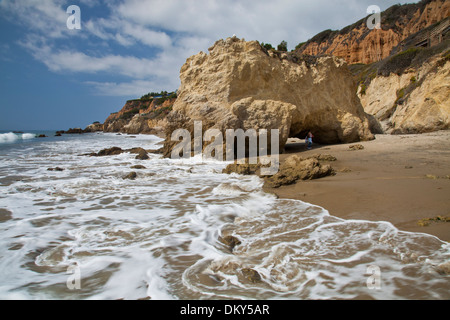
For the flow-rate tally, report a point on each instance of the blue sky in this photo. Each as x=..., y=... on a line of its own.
x=55, y=78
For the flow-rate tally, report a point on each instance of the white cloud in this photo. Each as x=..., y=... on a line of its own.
x=124, y=40
x=79, y=62
x=97, y=28
x=264, y=20
x=146, y=36
x=126, y=32
x=90, y=3
x=162, y=69
x=44, y=16
x=169, y=30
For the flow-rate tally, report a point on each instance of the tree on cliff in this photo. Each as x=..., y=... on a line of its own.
x=267, y=46
x=282, y=46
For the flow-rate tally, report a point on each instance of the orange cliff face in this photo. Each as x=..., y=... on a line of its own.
x=359, y=44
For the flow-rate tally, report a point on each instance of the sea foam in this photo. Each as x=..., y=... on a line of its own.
x=14, y=137
x=159, y=236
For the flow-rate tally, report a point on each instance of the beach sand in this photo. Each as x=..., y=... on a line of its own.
x=396, y=178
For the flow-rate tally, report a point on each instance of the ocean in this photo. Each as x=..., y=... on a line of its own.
x=87, y=233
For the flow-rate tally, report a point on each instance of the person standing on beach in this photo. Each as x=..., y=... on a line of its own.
x=308, y=140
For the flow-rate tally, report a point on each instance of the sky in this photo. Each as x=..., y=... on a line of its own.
x=56, y=75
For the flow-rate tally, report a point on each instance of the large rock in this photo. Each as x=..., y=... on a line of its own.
x=239, y=85
x=142, y=154
x=417, y=101
x=428, y=106
x=95, y=127
x=296, y=168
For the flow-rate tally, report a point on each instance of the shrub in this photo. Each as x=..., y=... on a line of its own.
x=299, y=45
x=151, y=95
x=159, y=113
x=398, y=63
x=267, y=46
x=400, y=95
x=282, y=46
x=129, y=114
x=363, y=89
x=324, y=35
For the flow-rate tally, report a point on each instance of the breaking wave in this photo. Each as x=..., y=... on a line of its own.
x=14, y=137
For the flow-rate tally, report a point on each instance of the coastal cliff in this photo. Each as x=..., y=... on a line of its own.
x=145, y=115
x=400, y=83
x=356, y=43
x=240, y=85
x=413, y=100
x=402, y=69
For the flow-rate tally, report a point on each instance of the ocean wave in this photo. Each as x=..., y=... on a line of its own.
x=11, y=137
x=27, y=136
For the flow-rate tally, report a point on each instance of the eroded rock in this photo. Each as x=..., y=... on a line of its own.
x=130, y=176
x=5, y=215
x=239, y=86
x=230, y=242
x=110, y=152
x=244, y=169
x=252, y=275
x=142, y=155
x=297, y=168
x=138, y=167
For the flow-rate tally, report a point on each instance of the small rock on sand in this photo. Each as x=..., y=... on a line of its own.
x=356, y=147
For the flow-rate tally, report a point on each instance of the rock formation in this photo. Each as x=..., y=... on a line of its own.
x=239, y=85
x=414, y=100
x=140, y=116
x=230, y=242
x=293, y=169
x=130, y=176
x=142, y=154
x=95, y=127
x=358, y=44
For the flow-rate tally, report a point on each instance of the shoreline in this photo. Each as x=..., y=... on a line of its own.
x=400, y=179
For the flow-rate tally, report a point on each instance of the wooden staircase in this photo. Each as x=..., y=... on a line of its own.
x=434, y=36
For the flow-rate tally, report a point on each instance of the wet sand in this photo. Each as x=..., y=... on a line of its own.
x=401, y=179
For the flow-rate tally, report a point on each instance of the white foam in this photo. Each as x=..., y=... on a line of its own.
x=8, y=137
x=11, y=137
x=27, y=136
x=158, y=235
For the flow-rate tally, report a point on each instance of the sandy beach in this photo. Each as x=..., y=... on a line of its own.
x=401, y=179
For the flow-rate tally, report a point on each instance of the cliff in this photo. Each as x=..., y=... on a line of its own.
x=145, y=116
x=403, y=86
x=239, y=85
x=408, y=92
x=401, y=69
x=356, y=43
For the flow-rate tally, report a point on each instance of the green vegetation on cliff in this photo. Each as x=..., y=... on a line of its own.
x=163, y=94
